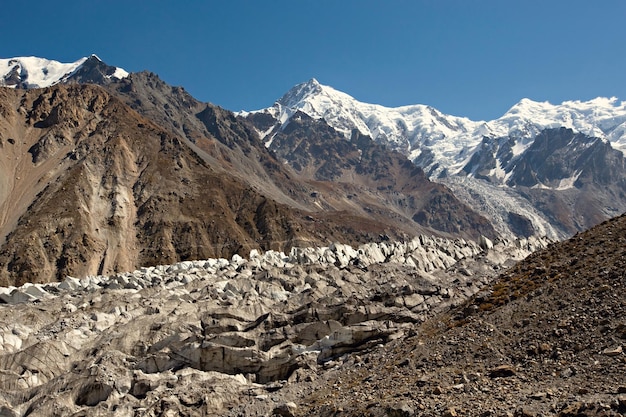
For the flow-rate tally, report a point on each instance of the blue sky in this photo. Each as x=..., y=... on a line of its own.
x=473, y=58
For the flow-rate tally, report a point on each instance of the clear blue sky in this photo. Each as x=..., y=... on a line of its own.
x=473, y=58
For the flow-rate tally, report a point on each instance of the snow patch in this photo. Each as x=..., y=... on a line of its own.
x=119, y=74
x=568, y=183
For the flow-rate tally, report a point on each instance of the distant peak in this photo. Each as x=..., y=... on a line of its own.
x=529, y=102
x=300, y=93
x=35, y=72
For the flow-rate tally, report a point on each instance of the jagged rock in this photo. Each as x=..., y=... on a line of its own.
x=613, y=351
x=502, y=371
x=403, y=409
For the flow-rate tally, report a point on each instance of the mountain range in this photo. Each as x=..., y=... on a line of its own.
x=107, y=171
x=104, y=174
x=539, y=169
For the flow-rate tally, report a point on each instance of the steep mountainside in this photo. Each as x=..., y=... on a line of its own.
x=380, y=180
x=232, y=143
x=213, y=133
x=490, y=165
x=573, y=180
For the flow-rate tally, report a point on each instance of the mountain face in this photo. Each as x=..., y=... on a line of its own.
x=522, y=171
x=573, y=180
x=101, y=179
x=229, y=141
x=380, y=180
x=93, y=187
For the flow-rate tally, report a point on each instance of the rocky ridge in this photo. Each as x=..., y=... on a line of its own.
x=203, y=337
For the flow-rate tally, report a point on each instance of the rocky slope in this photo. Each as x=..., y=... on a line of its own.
x=546, y=338
x=206, y=337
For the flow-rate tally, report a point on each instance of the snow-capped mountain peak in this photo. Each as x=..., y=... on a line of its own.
x=438, y=141
x=601, y=117
x=35, y=72
x=300, y=93
x=535, y=145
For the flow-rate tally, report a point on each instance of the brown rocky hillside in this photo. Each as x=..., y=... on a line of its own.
x=547, y=338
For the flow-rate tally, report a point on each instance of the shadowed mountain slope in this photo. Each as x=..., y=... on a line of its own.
x=376, y=178
x=574, y=180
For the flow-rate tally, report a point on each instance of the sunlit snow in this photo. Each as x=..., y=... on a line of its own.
x=40, y=72
x=568, y=183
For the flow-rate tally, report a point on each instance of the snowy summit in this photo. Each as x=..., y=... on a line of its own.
x=34, y=72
